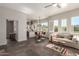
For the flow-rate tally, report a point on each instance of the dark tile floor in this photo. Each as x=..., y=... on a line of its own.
x=29, y=48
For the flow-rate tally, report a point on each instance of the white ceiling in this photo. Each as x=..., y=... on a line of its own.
x=36, y=10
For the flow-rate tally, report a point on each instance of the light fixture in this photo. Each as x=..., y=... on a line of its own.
x=58, y=5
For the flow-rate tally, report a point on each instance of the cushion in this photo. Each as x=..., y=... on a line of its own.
x=65, y=35
x=75, y=37
x=60, y=36
x=68, y=36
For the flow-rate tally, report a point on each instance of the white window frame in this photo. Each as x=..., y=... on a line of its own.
x=64, y=25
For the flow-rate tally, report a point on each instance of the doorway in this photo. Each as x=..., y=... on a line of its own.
x=11, y=31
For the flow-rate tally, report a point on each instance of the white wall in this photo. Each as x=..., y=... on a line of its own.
x=22, y=29
x=6, y=13
x=2, y=31
x=66, y=14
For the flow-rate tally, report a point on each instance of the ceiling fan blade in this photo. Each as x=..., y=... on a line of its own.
x=58, y=6
x=49, y=5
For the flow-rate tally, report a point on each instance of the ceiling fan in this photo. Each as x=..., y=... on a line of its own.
x=58, y=5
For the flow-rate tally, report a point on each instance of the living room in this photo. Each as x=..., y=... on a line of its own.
x=61, y=28
x=34, y=29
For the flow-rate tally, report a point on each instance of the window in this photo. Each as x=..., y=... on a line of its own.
x=44, y=26
x=51, y=26
x=55, y=25
x=64, y=25
x=75, y=24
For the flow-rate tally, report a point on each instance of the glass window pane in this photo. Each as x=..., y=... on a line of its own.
x=75, y=24
x=44, y=26
x=64, y=25
x=55, y=25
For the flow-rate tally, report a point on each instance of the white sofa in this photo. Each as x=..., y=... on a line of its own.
x=65, y=41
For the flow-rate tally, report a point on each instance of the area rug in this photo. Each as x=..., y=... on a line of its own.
x=2, y=53
x=63, y=51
